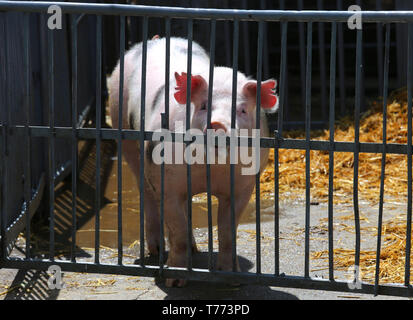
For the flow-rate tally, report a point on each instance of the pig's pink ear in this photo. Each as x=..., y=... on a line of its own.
x=198, y=85
x=269, y=99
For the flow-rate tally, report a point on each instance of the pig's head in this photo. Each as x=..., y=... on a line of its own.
x=222, y=100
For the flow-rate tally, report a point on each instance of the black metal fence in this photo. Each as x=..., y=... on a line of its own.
x=29, y=88
x=71, y=132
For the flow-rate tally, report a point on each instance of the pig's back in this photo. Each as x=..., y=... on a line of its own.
x=113, y=86
x=155, y=77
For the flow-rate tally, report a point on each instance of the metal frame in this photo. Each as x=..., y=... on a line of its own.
x=52, y=132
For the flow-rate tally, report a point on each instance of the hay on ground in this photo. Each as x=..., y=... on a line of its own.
x=292, y=182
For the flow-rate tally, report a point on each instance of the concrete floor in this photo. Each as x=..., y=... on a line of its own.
x=29, y=284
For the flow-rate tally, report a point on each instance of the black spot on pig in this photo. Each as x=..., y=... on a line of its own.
x=149, y=151
x=132, y=121
x=151, y=185
x=159, y=94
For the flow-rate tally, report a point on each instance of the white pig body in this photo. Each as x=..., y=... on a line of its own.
x=176, y=194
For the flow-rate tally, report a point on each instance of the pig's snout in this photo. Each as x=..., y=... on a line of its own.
x=217, y=126
x=218, y=129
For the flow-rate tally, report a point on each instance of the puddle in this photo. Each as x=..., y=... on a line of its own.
x=85, y=236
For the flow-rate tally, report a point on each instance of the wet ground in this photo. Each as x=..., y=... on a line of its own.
x=85, y=199
x=130, y=211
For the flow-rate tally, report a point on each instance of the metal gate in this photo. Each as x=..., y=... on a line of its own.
x=54, y=132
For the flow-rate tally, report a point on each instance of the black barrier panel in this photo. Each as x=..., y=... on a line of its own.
x=26, y=95
x=61, y=130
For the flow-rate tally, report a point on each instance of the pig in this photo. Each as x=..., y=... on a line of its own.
x=176, y=193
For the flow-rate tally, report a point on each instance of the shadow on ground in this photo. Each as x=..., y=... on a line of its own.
x=203, y=290
x=31, y=285
x=85, y=203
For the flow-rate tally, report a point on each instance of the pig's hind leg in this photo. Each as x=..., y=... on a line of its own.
x=152, y=221
x=176, y=221
x=224, y=262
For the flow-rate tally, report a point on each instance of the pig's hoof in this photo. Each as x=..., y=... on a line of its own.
x=153, y=249
x=232, y=283
x=227, y=267
x=153, y=246
x=175, y=283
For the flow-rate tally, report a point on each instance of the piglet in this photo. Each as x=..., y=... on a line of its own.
x=176, y=193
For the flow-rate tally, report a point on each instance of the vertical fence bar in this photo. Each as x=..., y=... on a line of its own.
x=120, y=126
x=302, y=53
x=331, y=152
x=278, y=137
x=307, y=153
x=165, y=125
x=286, y=111
x=359, y=66
x=409, y=152
x=341, y=69
x=235, y=48
x=227, y=37
x=379, y=39
x=74, y=134
x=187, y=127
x=246, y=39
x=50, y=36
x=208, y=166
x=399, y=45
x=27, y=170
x=362, y=84
x=383, y=159
x=261, y=30
x=5, y=150
x=142, y=141
x=265, y=45
x=4, y=175
x=322, y=59
x=167, y=69
x=98, y=131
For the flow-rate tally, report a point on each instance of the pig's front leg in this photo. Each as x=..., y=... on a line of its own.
x=224, y=262
x=152, y=221
x=177, y=227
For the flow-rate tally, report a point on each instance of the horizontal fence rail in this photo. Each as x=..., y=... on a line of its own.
x=282, y=143
x=218, y=14
x=75, y=133
x=206, y=275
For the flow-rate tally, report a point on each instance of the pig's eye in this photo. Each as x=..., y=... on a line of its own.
x=203, y=106
x=242, y=108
